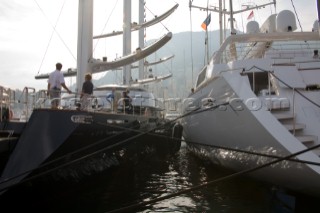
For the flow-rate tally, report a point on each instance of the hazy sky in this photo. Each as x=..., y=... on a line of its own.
x=29, y=45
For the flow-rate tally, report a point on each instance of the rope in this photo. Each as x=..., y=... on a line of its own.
x=311, y=101
x=287, y=85
x=278, y=158
x=253, y=153
x=105, y=25
x=140, y=133
x=236, y=174
x=155, y=16
x=54, y=161
x=191, y=39
x=295, y=11
x=54, y=31
x=91, y=154
x=195, y=111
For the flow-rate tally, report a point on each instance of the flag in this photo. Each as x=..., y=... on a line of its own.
x=250, y=15
x=206, y=22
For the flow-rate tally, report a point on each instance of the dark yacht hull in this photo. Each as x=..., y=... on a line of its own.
x=66, y=144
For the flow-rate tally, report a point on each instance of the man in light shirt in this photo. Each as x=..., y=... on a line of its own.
x=55, y=83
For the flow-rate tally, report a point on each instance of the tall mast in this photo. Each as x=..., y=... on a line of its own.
x=220, y=21
x=231, y=18
x=224, y=21
x=126, y=39
x=318, y=11
x=207, y=37
x=141, y=37
x=85, y=35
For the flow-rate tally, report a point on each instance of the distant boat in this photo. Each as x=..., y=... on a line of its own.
x=71, y=143
x=256, y=104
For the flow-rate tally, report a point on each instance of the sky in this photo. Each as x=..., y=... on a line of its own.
x=35, y=34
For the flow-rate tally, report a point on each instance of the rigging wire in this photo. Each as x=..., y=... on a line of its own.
x=161, y=22
x=139, y=133
x=103, y=140
x=295, y=89
x=275, y=6
x=287, y=85
x=200, y=186
x=154, y=15
x=53, y=31
x=196, y=110
x=200, y=110
x=206, y=41
x=105, y=25
x=241, y=14
x=295, y=11
x=58, y=159
x=115, y=145
x=191, y=42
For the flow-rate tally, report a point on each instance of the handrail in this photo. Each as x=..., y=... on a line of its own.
x=31, y=99
x=223, y=54
x=26, y=102
x=293, y=112
x=5, y=100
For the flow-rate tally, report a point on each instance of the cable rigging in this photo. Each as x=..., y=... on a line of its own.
x=53, y=31
x=191, y=44
x=233, y=175
x=105, y=25
x=295, y=11
x=140, y=133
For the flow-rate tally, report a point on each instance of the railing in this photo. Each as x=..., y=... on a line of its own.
x=9, y=104
x=245, y=50
x=7, y=96
x=293, y=112
x=26, y=100
x=29, y=100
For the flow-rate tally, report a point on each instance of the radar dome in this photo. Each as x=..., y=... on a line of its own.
x=286, y=21
x=252, y=27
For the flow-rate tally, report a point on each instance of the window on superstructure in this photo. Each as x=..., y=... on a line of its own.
x=201, y=76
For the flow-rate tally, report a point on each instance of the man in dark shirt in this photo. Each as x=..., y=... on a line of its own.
x=127, y=101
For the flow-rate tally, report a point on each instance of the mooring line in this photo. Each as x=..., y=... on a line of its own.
x=126, y=140
x=227, y=177
x=60, y=158
x=141, y=133
x=253, y=153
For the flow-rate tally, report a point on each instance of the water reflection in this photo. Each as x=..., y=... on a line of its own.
x=184, y=171
x=131, y=186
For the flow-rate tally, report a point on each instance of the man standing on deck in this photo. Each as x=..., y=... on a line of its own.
x=55, y=82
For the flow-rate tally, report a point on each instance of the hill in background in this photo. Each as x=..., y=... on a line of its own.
x=184, y=66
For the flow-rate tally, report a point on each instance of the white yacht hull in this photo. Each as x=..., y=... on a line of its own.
x=230, y=121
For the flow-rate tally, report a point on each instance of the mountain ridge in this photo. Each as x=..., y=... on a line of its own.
x=185, y=65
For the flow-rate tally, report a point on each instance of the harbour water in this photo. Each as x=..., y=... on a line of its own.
x=140, y=188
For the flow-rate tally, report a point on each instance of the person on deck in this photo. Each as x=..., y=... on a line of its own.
x=315, y=54
x=127, y=101
x=112, y=98
x=55, y=82
x=86, y=92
